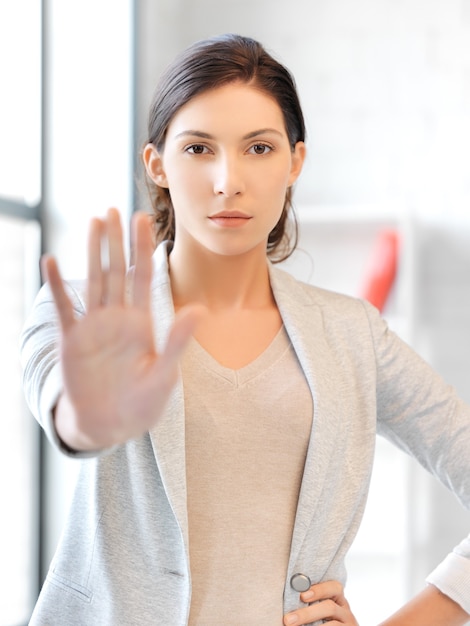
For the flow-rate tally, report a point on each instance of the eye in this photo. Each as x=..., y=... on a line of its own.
x=260, y=148
x=196, y=148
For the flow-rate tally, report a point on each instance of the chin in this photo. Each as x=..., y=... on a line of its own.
x=239, y=250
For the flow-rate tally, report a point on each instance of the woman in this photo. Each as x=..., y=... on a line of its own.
x=229, y=449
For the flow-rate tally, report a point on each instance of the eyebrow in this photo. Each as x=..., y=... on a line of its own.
x=251, y=135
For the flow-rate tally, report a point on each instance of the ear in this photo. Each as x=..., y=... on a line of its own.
x=298, y=158
x=154, y=165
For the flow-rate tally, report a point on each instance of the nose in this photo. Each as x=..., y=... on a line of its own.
x=228, y=177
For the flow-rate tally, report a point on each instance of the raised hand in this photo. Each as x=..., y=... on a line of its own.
x=115, y=384
x=327, y=602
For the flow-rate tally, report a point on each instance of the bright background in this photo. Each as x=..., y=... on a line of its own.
x=385, y=86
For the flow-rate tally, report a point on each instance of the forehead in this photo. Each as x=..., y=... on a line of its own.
x=235, y=104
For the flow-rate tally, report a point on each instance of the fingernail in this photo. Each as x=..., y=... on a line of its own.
x=307, y=596
x=292, y=619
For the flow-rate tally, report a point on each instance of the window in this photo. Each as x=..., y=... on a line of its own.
x=20, y=194
x=19, y=244
x=20, y=118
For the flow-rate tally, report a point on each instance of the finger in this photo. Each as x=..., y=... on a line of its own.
x=329, y=603
x=95, y=282
x=325, y=610
x=62, y=302
x=166, y=366
x=143, y=250
x=321, y=591
x=184, y=326
x=117, y=261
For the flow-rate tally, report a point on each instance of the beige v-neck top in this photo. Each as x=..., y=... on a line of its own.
x=247, y=433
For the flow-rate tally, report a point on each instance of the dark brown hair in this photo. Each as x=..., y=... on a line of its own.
x=213, y=63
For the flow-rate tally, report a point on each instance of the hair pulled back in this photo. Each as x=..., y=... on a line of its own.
x=206, y=65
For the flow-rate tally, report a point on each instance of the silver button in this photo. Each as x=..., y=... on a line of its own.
x=300, y=582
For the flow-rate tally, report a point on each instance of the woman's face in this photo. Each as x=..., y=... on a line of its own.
x=227, y=163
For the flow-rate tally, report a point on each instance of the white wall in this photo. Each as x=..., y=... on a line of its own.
x=89, y=125
x=385, y=86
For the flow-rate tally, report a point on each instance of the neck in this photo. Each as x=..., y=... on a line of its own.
x=218, y=281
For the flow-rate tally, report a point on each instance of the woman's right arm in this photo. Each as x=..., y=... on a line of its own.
x=115, y=384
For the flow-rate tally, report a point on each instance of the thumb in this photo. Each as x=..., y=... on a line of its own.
x=185, y=324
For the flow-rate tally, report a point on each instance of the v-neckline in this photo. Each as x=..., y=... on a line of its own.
x=239, y=376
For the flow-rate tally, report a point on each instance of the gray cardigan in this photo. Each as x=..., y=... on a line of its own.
x=123, y=555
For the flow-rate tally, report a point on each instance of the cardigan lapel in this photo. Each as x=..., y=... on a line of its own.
x=303, y=320
x=168, y=435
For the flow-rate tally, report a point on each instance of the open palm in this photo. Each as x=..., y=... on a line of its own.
x=115, y=384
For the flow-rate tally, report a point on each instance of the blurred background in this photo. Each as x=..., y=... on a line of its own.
x=385, y=86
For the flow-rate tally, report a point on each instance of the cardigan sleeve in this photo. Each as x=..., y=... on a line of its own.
x=40, y=359
x=423, y=415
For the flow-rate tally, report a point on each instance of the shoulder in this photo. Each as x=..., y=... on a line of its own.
x=342, y=320
x=288, y=288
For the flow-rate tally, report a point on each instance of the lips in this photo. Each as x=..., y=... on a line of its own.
x=230, y=215
x=230, y=219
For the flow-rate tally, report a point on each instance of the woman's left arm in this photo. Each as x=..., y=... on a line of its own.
x=429, y=608
x=327, y=602
x=423, y=415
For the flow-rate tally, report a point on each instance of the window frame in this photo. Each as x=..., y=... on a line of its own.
x=10, y=207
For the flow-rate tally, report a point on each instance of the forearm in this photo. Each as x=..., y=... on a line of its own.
x=429, y=608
